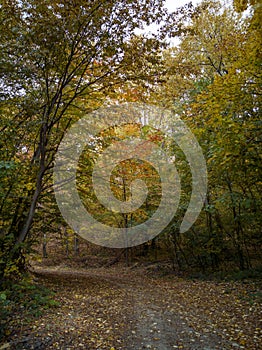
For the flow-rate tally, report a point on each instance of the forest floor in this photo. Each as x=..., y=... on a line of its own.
x=127, y=308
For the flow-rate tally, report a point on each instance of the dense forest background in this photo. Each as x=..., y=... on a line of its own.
x=61, y=60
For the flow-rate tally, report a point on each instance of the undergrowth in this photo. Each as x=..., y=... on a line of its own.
x=23, y=298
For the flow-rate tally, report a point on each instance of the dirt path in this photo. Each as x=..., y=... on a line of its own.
x=125, y=309
x=162, y=327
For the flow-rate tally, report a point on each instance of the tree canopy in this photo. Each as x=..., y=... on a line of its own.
x=61, y=60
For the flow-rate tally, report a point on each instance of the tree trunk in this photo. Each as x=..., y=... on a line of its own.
x=42, y=168
x=44, y=246
x=76, y=244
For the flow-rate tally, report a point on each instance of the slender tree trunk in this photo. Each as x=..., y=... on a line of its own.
x=237, y=224
x=28, y=222
x=174, y=253
x=76, y=244
x=30, y=216
x=44, y=246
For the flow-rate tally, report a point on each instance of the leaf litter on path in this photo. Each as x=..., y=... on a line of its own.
x=115, y=309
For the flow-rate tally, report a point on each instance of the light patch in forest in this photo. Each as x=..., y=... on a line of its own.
x=151, y=151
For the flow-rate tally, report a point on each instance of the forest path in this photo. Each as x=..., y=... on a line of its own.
x=117, y=309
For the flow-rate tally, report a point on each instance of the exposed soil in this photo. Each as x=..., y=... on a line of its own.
x=123, y=308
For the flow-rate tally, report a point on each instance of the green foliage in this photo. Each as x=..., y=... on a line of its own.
x=59, y=61
x=32, y=297
x=213, y=82
x=252, y=274
x=24, y=298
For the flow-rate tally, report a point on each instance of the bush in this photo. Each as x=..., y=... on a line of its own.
x=23, y=297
